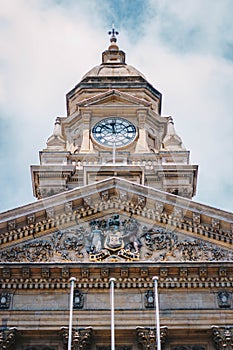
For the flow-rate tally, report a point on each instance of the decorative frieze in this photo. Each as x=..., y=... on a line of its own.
x=104, y=196
x=85, y=272
x=8, y=338
x=124, y=272
x=183, y=272
x=196, y=219
x=68, y=207
x=50, y=212
x=159, y=207
x=222, y=272
x=31, y=219
x=223, y=337
x=45, y=273
x=203, y=272
x=65, y=272
x=163, y=272
x=11, y=225
x=146, y=337
x=215, y=224
x=6, y=272
x=25, y=272
x=81, y=338
x=104, y=272
x=178, y=212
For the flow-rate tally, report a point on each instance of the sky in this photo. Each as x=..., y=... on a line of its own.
x=183, y=47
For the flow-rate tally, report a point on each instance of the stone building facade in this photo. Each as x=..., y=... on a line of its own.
x=114, y=188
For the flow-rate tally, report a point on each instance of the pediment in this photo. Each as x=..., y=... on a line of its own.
x=147, y=225
x=114, y=97
x=118, y=237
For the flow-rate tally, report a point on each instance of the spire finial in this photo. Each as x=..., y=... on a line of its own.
x=113, y=34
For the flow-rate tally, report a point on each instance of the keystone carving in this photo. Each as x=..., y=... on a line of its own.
x=7, y=338
x=147, y=337
x=81, y=338
x=223, y=337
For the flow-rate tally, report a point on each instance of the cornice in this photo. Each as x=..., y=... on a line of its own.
x=64, y=213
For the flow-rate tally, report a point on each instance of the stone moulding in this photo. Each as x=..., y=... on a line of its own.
x=92, y=276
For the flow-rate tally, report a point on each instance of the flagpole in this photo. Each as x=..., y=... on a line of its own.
x=156, y=298
x=112, y=283
x=72, y=280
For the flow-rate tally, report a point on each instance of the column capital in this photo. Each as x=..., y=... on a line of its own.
x=223, y=337
x=147, y=337
x=81, y=337
x=8, y=337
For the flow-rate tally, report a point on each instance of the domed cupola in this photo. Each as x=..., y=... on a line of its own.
x=113, y=73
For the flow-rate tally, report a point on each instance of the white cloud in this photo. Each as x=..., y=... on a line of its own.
x=47, y=46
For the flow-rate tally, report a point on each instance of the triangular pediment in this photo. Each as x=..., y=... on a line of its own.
x=114, y=97
x=118, y=237
x=147, y=225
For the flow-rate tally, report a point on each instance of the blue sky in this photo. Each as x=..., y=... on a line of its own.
x=184, y=48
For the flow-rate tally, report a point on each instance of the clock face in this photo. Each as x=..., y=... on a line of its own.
x=114, y=131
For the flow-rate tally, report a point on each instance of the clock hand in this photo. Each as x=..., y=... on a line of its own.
x=107, y=127
x=113, y=123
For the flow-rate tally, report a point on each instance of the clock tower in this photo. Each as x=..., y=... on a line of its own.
x=114, y=128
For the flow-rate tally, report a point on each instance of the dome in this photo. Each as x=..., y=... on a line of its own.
x=113, y=63
x=113, y=70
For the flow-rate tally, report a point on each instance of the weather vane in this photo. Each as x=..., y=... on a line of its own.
x=113, y=34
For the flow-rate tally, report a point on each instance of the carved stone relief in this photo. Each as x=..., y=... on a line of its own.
x=116, y=238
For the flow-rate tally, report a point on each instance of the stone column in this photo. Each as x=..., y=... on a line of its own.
x=142, y=145
x=8, y=338
x=81, y=337
x=147, y=337
x=86, y=145
x=223, y=337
